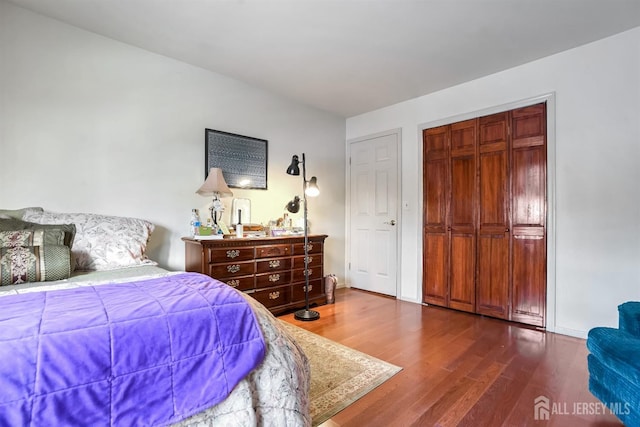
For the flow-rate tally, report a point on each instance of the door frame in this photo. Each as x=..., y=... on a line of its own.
x=398, y=133
x=550, y=99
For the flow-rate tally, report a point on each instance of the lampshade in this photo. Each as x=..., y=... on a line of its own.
x=312, y=189
x=293, y=168
x=214, y=184
x=294, y=205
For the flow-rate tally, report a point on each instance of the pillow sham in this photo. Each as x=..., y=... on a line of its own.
x=42, y=237
x=18, y=224
x=18, y=213
x=22, y=264
x=102, y=242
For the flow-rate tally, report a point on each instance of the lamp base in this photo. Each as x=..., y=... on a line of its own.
x=306, y=315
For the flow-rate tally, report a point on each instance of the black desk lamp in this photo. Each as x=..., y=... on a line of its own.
x=309, y=188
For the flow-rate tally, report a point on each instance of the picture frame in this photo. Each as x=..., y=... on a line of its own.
x=243, y=159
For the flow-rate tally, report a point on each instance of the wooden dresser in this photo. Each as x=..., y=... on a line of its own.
x=271, y=269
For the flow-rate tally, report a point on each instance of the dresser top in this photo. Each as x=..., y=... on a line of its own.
x=255, y=240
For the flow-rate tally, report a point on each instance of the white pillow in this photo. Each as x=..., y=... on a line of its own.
x=102, y=242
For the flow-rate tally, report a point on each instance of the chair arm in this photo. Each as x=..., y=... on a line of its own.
x=617, y=350
x=629, y=317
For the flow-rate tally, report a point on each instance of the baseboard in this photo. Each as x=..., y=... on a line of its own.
x=570, y=332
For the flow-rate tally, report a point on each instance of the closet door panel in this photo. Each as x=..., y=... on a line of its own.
x=462, y=212
x=492, y=287
x=462, y=287
x=529, y=211
x=462, y=234
x=493, y=189
x=435, y=185
x=528, y=188
x=435, y=233
x=435, y=269
x=436, y=197
x=492, y=296
x=528, y=285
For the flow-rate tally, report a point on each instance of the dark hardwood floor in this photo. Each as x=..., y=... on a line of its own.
x=458, y=368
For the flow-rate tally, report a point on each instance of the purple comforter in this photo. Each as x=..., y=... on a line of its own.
x=150, y=352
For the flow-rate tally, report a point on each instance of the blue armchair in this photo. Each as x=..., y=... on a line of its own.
x=614, y=364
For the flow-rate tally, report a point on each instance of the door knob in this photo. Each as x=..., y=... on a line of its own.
x=392, y=222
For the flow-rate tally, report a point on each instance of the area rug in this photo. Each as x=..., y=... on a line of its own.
x=339, y=375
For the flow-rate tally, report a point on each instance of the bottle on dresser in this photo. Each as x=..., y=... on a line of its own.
x=195, y=223
x=239, y=226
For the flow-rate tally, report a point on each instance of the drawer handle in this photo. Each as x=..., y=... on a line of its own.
x=234, y=268
x=310, y=247
x=274, y=263
x=310, y=288
x=274, y=277
x=309, y=259
x=274, y=295
x=233, y=283
x=309, y=272
x=233, y=253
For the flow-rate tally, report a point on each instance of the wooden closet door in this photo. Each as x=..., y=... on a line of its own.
x=492, y=287
x=436, y=190
x=462, y=230
x=529, y=211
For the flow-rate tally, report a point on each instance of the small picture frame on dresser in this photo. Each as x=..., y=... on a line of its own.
x=223, y=227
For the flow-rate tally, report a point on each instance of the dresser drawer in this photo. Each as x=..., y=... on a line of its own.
x=315, y=260
x=274, y=264
x=230, y=254
x=314, y=273
x=314, y=248
x=315, y=290
x=273, y=279
x=232, y=269
x=273, y=296
x=244, y=283
x=269, y=251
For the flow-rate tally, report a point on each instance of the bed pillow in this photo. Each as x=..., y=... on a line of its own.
x=17, y=213
x=102, y=242
x=69, y=230
x=42, y=237
x=22, y=264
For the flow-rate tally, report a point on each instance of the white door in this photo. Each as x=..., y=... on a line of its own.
x=373, y=213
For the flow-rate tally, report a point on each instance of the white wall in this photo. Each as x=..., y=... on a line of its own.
x=597, y=171
x=88, y=124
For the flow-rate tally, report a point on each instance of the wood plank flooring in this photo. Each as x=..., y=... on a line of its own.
x=458, y=368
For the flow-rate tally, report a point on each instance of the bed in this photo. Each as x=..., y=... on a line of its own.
x=272, y=388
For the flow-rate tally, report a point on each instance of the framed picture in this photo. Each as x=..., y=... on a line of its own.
x=243, y=159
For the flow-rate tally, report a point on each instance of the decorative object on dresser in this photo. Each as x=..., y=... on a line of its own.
x=215, y=186
x=309, y=188
x=270, y=269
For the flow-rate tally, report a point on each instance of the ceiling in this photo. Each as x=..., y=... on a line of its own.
x=349, y=56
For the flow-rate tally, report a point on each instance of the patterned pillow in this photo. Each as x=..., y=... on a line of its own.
x=102, y=242
x=42, y=237
x=22, y=264
x=17, y=224
x=17, y=213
